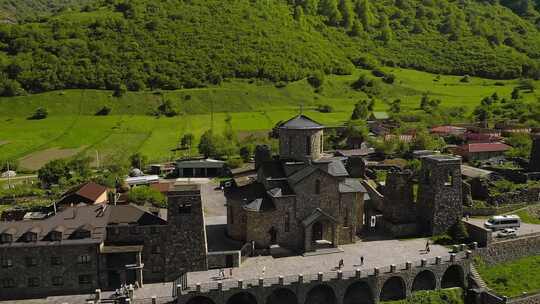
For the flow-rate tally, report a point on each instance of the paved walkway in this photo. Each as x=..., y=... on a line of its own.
x=376, y=254
x=524, y=230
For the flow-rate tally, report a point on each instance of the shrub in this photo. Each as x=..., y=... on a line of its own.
x=465, y=79
x=443, y=239
x=146, y=195
x=316, y=80
x=325, y=108
x=389, y=78
x=378, y=73
x=41, y=113
x=234, y=163
x=103, y=111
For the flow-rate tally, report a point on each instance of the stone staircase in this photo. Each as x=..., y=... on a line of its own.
x=477, y=278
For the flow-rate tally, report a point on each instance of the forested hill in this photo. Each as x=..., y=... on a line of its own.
x=170, y=44
x=14, y=10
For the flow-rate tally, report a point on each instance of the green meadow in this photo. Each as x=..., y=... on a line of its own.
x=254, y=106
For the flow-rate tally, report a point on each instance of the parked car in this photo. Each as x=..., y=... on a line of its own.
x=502, y=222
x=507, y=233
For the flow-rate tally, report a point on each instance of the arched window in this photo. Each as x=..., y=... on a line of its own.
x=346, y=217
x=308, y=145
x=317, y=187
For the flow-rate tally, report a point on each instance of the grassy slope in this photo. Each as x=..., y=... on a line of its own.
x=446, y=296
x=530, y=215
x=513, y=278
x=255, y=106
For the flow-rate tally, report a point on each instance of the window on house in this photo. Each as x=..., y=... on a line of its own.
x=82, y=234
x=55, y=260
x=58, y=281
x=308, y=145
x=133, y=228
x=184, y=208
x=31, y=237
x=7, y=263
x=85, y=279
x=449, y=181
x=6, y=238
x=84, y=259
x=156, y=249
x=317, y=187
x=56, y=236
x=31, y=261
x=8, y=283
x=287, y=222
x=33, y=282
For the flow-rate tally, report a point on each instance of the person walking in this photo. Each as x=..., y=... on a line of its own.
x=341, y=264
x=362, y=261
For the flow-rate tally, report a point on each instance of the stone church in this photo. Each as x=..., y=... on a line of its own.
x=302, y=199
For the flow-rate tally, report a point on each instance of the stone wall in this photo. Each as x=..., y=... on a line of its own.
x=69, y=269
x=534, y=164
x=186, y=248
x=529, y=195
x=399, y=206
x=508, y=250
x=218, y=259
x=440, y=203
x=480, y=235
x=340, y=284
x=293, y=144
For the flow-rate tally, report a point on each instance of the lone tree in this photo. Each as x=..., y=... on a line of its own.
x=40, y=113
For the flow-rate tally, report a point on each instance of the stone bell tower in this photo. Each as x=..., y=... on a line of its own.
x=440, y=203
x=301, y=139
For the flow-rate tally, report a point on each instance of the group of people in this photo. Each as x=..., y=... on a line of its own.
x=341, y=263
x=221, y=274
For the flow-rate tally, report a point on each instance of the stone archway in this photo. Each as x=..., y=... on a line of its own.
x=358, y=293
x=282, y=296
x=424, y=280
x=393, y=289
x=453, y=277
x=200, y=300
x=321, y=294
x=242, y=298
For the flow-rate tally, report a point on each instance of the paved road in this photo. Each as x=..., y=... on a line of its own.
x=524, y=230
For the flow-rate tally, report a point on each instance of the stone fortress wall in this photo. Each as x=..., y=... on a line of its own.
x=380, y=284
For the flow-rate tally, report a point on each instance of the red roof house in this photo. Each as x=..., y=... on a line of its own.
x=88, y=193
x=480, y=151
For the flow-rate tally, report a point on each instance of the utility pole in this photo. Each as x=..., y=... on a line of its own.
x=212, y=115
x=8, y=176
x=97, y=159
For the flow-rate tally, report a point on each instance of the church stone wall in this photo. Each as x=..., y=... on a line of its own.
x=293, y=144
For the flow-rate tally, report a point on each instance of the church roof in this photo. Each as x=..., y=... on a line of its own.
x=316, y=215
x=260, y=205
x=301, y=122
x=351, y=185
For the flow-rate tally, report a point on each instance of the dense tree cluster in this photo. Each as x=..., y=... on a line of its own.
x=132, y=45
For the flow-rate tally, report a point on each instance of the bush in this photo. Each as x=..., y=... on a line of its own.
x=378, y=73
x=459, y=233
x=104, y=111
x=389, y=78
x=325, y=108
x=41, y=113
x=145, y=195
x=234, y=163
x=443, y=239
x=316, y=80
x=465, y=79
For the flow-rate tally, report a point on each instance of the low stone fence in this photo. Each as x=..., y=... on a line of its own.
x=530, y=195
x=489, y=297
x=489, y=211
x=224, y=259
x=509, y=250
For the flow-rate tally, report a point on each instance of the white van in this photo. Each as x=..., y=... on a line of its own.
x=502, y=222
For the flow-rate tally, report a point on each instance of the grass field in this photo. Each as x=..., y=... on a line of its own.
x=530, y=215
x=253, y=106
x=513, y=278
x=444, y=296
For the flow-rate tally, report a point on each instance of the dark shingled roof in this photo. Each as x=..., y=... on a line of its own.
x=273, y=169
x=260, y=205
x=301, y=122
x=351, y=185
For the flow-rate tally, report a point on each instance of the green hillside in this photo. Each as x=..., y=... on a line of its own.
x=140, y=44
x=254, y=107
x=20, y=10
